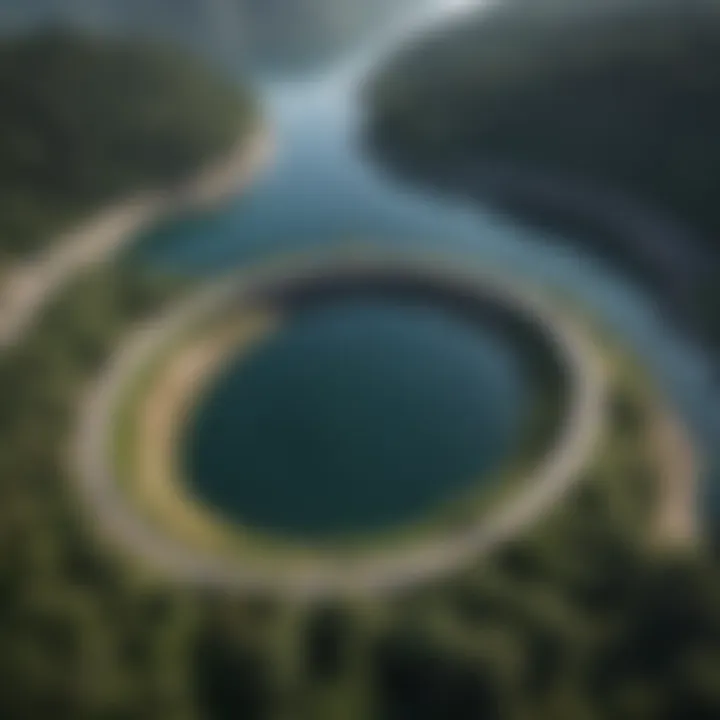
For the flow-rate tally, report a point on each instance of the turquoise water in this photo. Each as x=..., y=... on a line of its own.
x=359, y=415
x=321, y=191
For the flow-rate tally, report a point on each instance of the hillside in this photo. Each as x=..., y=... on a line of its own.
x=624, y=97
x=581, y=618
x=629, y=97
x=84, y=122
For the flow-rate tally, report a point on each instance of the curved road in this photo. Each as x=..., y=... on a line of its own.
x=48, y=277
x=384, y=571
x=26, y=290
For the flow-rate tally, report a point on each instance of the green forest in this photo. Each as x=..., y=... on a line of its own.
x=581, y=619
x=87, y=121
x=628, y=95
x=623, y=96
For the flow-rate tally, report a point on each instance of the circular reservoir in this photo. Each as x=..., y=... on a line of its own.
x=357, y=415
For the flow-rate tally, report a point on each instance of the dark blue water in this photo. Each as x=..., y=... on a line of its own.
x=321, y=191
x=359, y=415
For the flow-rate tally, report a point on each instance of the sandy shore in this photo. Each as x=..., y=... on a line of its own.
x=28, y=287
x=162, y=416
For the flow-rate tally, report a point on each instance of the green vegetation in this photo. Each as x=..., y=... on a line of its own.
x=622, y=96
x=579, y=618
x=60, y=597
x=85, y=121
x=628, y=95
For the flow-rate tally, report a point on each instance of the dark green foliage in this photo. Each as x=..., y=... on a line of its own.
x=418, y=682
x=635, y=637
x=576, y=620
x=81, y=638
x=621, y=96
x=328, y=633
x=231, y=680
x=628, y=96
x=84, y=121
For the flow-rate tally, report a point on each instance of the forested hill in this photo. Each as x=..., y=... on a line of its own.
x=626, y=94
x=284, y=33
x=620, y=97
x=85, y=121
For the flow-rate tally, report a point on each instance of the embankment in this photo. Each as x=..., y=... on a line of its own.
x=28, y=288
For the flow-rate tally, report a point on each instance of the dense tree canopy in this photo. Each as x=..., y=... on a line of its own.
x=629, y=96
x=580, y=618
x=621, y=96
x=85, y=121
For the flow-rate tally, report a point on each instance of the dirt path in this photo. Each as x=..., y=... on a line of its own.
x=161, y=418
x=677, y=518
x=28, y=288
x=369, y=572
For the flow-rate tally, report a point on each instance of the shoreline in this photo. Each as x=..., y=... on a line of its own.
x=161, y=403
x=30, y=285
x=406, y=563
x=653, y=247
x=163, y=413
x=193, y=545
x=646, y=243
